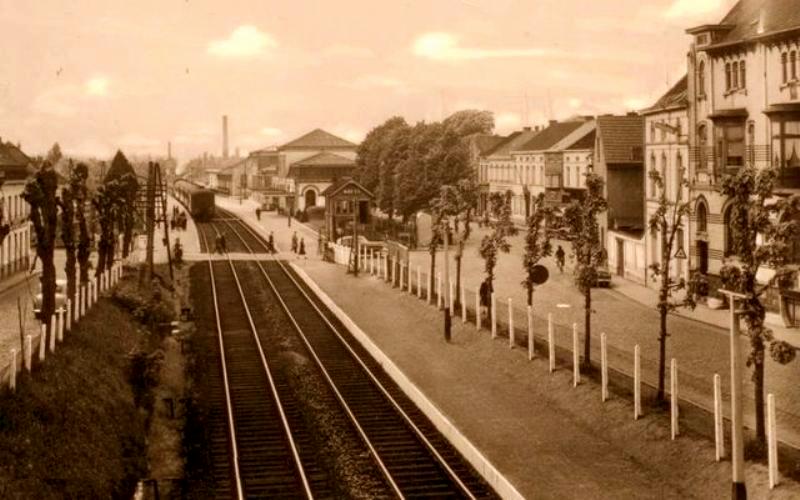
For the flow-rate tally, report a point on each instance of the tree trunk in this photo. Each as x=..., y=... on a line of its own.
x=69, y=268
x=587, y=340
x=530, y=291
x=758, y=397
x=48, y=287
x=458, y=297
x=662, y=351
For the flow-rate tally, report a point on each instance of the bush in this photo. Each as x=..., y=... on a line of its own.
x=149, y=306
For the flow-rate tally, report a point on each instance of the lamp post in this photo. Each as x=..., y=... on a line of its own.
x=447, y=320
x=738, y=487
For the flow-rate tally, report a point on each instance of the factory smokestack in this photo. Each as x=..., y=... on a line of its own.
x=225, y=136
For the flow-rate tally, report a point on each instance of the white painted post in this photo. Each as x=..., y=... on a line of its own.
x=637, y=387
x=395, y=269
x=452, y=295
x=42, y=342
x=429, y=289
x=419, y=283
x=28, y=353
x=510, y=324
x=494, y=316
x=463, y=304
x=530, y=334
x=477, y=309
x=52, y=333
x=439, y=290
x=772, y=442
x=60, y=325
x=603, y=368
x=402, y=266
x=576, y=367
x=12, y=372
x=719, y=436
x=673, y=397
x=551, y=347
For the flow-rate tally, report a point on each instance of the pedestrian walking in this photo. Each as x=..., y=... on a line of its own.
x=271, y=242
x=302, y=250
x=294, y=242
x=486, y=297
x=258, y=213
x=560, y=258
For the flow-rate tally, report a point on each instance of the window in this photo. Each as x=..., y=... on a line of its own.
x=727, y=76
x=652, y=132
x=554, y=181
x=730, y=139
x=702, y=217
x=663, y=172
x=786, y=143
x=577, y=176
x=568, y=177
x=678, y=175
x=785, y=67
x=735, y=76
x=663, y=134
x=742, y=76
x=678, y=127
x=652, y=181
x=793, y=61
x=751, y=143
x=701, y=79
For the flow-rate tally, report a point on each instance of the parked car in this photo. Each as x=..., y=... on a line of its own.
x=61, y=298
x=603, y=278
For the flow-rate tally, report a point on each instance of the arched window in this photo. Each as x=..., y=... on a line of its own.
x=701, y=79
x=793, y=60
x=727, y=76
x=742, y=76
x=784, y=65
x=729, y=241
x=702, y=217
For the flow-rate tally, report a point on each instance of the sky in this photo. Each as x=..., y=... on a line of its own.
x=98, y=75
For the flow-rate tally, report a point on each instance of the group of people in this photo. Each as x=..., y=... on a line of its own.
x=298, y=246
x=178, y=219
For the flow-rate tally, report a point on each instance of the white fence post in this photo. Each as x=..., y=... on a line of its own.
x=452, y=295
x=477, y=309
x=42, y=342
x=12, y=372
x=510, y=324
x=494, y=316
x=400, y=269
x=52, y=333
x=28, y=353
x=603, y=368
x=439, y=301
x=551, y=348
x=576, y=366
x=719, y=436
x=530, y=333
x=419, y=283
x=60, y=323
x=463, y=304
x=637, y=384
x=673, y=397
x=395, y=272
x=772, y=442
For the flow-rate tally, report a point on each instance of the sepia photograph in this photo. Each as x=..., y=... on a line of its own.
x=480, y=249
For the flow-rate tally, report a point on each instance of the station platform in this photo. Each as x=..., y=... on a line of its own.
x=543, y=437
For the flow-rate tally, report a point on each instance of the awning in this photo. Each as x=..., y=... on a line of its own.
x=788, y=107
x=722, y=114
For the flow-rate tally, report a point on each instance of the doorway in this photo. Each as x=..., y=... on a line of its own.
x=702, y=256
x=311, y=198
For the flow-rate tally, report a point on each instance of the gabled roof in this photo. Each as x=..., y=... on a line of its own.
x=486, y=143
x=325, y=159
x=622, y=138
x=675, y=98
x=585, y=142
x=339, y=185
x=513, y=142
x=14, y=164
x=745, y=21
x=548, y=137
x=318, y=139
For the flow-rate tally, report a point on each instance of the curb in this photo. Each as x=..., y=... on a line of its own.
x=482, y=464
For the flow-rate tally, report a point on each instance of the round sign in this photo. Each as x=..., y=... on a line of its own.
x=539, y=274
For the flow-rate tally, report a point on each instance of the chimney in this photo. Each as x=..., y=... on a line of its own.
x=225, y=136
x=526, y=129
x=553, y=122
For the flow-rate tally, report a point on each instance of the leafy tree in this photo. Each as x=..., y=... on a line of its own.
x=537, y=241
x=502, y=229
x=470, y=121
x=368, y=155
x=459, y=202
x=763, y=228
x=668, y=220
x=80, y=196
x=122, y=171
x=108, y=203
x=580, y=217
x=417, y=185
x=54, y=155
x=40, y=193
x=66, y=203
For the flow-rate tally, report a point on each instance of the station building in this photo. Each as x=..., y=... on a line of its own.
x=15, y=250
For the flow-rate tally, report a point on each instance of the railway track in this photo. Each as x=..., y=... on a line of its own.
x=412, y=456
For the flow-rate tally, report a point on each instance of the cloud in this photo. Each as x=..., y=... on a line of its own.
x=57, y=101
x=271, y=131
x=348, y=132
x=635, y=103
x=97, y=86
x=575, y=103
x=682, y=9
x=349, y=51
x=441, y=46
x=244, y=42
x=507, y=121
x=366, y=82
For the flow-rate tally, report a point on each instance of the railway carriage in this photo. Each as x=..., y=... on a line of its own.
x=199, y=200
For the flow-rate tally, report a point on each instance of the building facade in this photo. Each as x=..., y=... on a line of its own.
x=667, y=152
x=744, y=109
x=503, y=170
x=15, y=250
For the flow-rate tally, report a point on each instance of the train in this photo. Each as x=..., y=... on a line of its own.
x=198, y=199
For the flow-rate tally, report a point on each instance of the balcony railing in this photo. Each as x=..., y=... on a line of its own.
x=709, y=164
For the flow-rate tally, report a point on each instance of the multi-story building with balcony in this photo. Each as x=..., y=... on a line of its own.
x=15, y=249
x=666, y=143
x=504, y=172
x=744, y=109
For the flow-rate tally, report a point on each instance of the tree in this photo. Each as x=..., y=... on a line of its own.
x=459, y=202
x=80, y=198
x=369, y=152
x=668, y=220
x=40, y=193
x=66, y=202
x=470, y=121
x=762, y=227
x=108, y=203
x=122, y=172
x=580, y=217
x=537, y=242
x=497, y=240
x=54, y=155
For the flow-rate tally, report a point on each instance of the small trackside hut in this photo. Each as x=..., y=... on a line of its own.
x=346, y=203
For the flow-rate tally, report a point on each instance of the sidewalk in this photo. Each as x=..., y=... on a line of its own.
x=548, y=439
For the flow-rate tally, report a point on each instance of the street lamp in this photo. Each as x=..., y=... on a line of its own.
x=447, y=320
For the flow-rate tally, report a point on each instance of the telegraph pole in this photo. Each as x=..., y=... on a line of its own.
x=446, y=287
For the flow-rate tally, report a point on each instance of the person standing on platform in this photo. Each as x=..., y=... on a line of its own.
x=258, y=213
x=271, y=242
x=486, y=297
x=302, y=250
x=294, y=242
